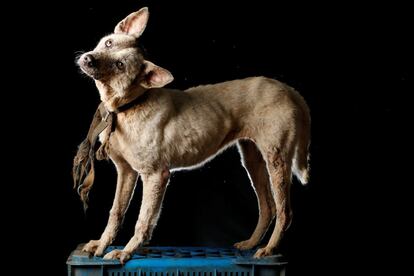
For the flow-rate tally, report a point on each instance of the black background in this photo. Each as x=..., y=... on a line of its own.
x=352, y=64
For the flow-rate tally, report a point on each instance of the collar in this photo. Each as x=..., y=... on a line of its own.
x=138, y=100
x=108, y=118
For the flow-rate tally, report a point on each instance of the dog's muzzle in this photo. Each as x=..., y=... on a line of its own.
x=89, y=65
x=89, y=61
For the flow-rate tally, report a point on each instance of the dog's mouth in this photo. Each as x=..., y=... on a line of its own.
x=93, y=73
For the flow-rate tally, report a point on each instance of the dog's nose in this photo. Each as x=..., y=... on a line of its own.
x=89, y=61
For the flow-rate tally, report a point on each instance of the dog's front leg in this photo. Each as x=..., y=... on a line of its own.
x=154, y=186
x=126, y=182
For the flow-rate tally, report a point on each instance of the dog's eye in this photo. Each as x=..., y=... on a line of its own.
x=120, y=65
x=108, y=43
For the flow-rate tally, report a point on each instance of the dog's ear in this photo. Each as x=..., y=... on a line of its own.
x=134, y=24
x=155, y=76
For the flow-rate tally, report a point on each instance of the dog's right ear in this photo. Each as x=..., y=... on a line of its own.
x=134, y=24
x=155, y=76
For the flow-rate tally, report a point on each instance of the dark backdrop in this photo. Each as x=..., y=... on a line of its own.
x=350, y=62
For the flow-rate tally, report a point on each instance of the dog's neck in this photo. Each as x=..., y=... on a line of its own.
x=114, y=100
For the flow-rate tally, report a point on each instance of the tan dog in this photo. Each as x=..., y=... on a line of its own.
x=171, y=129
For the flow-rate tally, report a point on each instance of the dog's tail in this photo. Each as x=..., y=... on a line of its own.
x=300, y=165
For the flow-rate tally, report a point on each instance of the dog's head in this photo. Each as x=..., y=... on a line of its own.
x=117, y=64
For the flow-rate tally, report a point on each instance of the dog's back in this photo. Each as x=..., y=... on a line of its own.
x=260, y=105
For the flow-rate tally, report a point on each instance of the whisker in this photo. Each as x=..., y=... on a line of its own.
x=78, y=54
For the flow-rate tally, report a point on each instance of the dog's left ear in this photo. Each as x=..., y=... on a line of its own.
x=134, y=24
x=155, y=76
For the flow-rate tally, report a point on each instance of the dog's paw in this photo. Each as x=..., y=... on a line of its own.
x=244, y=245
x=263, y=252
x=120, y=255
x=91, y=246
x=95, y=247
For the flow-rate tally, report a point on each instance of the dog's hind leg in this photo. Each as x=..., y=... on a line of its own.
x=255, y=166
x=154, y=186
x=126, y=182
x=279, y=168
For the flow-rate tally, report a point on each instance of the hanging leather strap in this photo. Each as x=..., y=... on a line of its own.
x=83, y=170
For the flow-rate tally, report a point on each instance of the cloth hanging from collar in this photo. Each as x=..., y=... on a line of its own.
x=83, y=171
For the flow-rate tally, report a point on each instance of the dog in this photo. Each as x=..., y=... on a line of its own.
x=170, y=129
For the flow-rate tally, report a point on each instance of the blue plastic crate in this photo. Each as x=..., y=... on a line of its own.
x=178, y=261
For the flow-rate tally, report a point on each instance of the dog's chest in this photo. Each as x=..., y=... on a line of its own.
x=138, y=141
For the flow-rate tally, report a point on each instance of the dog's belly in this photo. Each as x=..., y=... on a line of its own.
x=190, y=161
x=194, y=150
x=193, y=158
